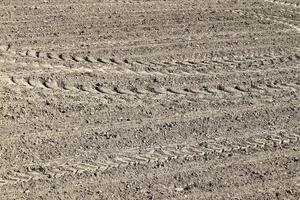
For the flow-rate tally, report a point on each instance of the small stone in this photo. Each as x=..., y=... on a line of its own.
x=180, y=189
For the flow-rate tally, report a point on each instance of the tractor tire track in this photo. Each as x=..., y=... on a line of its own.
x=153, y=155
x=284, y=3
x=149, y=99
x=191, y=68
x=202, y=91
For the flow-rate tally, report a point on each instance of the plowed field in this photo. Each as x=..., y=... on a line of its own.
x=150, y=99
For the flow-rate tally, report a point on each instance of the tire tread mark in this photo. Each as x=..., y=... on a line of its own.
x=276, y=139
x=191, y=66
x=296, y=5
x=219, y=90
x=280, y=20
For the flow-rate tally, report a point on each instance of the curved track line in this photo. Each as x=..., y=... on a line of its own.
x=281, y=20
x=204, y=91
x=115, y=62
x=159, y=154
x=284, y=3
x=191, y=68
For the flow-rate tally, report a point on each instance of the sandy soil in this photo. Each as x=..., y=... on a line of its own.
x=150, y=99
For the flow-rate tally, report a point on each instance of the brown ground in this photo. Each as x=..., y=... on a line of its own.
x=150, y=99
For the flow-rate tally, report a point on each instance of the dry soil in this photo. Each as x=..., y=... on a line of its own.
x=149, y=99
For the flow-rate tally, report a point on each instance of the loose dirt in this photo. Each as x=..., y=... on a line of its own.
x=150, y=99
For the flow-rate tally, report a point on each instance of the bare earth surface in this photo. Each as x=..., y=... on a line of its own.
x=150, y=99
